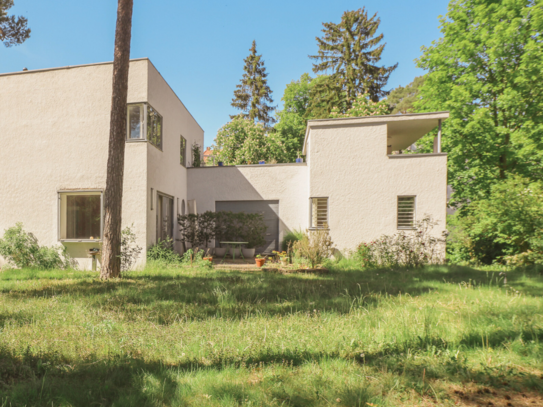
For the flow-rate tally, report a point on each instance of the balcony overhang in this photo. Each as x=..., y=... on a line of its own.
x=402, y=129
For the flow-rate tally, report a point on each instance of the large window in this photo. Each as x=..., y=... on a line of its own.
x=183, y=154
x=80, y=215
x=406, y=212
x=144, y=123
x=319, y=212
x=164, y=217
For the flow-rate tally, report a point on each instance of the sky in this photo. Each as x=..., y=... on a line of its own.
x=199, y=46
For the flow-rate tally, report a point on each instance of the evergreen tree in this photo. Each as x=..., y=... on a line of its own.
x=351, y=49
x=13, y=30
x=253, y=95
x=402, y=99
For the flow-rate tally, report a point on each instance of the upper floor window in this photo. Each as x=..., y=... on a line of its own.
x=144, y=123
x=183, y=154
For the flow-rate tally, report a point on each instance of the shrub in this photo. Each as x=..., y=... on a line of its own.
x=290, y=238
x=21, y=249
x=507, y=223
x=315, y=246
x=199, y=229
x=130, y=251
x=163, y=252
x=406, y=248
x=195, y=259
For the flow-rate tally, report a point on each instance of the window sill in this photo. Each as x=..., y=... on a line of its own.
x=80, y=240
x=413, y=228
x=313, y=228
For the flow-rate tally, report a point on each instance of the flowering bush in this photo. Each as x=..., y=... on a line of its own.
x=404, y=249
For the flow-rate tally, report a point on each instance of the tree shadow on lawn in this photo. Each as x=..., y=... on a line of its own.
x=45, y=378
x=238, y=294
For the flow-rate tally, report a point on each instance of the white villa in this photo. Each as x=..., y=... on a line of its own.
x=54, y=130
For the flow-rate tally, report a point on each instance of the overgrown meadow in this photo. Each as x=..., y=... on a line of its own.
x=432, y=336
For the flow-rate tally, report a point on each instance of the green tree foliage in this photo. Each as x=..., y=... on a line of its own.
x=486, y=70
x=253, y=95
x=362, y=106
x=402, y=99
x=243, y=141
x=326, y=93
x=351, y=50
x=509, y=222
x=13, y=30
x=291, y=121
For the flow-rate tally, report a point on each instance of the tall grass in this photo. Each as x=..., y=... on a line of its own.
x=200, y=337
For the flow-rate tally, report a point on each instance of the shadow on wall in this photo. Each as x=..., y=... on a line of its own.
x=209, y=185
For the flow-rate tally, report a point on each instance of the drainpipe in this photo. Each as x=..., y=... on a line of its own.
x=439, y=136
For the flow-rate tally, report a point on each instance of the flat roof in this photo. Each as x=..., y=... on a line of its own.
x=402, y=129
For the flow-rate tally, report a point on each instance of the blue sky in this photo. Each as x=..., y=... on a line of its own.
x=199, y=46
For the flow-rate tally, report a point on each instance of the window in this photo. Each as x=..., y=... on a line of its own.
x=164, y=217
x=183, y=154
x=142, y=116
x=80, y=215
x=406, y=212
x=136, y=122
x=319, y=212
x=154, y=127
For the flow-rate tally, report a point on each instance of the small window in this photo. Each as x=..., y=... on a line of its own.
x=183, y=154
x=81, y=216
x=406, y=212
x=154, y=127
x=142, y=116
x=319, y=212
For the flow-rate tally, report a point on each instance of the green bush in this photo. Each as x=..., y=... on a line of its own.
x=314, y=246
x=506, y=224
x=163, y=252
x=130, y=251
x=290, y=238
x=404, y=249
x=199, y=229
x=21, y=249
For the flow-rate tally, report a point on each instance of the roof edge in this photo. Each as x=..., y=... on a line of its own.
x=369, y=120
x=67, y=67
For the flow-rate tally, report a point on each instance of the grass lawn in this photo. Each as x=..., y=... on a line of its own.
x=438, y=336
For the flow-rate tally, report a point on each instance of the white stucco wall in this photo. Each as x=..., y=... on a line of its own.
x=349, y=165
x=54, y=131
x=165, y=172
x=287, y=183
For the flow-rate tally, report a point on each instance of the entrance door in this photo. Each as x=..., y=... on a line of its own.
x=270, y=211
x=164, y=217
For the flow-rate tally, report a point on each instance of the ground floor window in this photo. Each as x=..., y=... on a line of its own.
x=80, y=215
x=319, y=212
x=406, y=212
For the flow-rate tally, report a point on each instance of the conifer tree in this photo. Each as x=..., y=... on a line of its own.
x=352, y=50
x=13, y=30
x=253, y=95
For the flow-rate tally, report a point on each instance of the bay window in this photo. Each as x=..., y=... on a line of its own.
x=144, y=123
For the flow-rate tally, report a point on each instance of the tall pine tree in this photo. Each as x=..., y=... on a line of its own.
x=13, y=30
x=253, y=95
x=352, y=50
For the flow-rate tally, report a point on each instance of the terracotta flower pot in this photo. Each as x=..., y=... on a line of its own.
x=260, y=262
x=210, y=259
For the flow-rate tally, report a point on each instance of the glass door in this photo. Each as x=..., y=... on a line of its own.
x=164, y=217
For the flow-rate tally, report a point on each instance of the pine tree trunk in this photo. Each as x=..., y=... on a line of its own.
x=111, y=262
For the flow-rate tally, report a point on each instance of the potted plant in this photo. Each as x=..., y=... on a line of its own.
x=259, y=260
x=208, y=256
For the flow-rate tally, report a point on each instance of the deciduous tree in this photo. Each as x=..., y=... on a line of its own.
x=402, y=99
x=486, y=70
x=243, y=141
x=253, y=95
x=111, y=251
x=13, y=30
